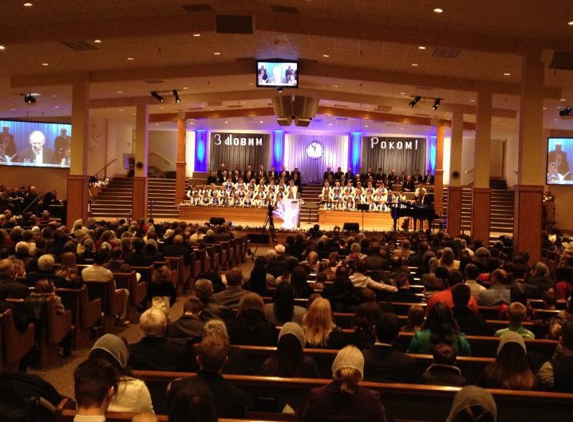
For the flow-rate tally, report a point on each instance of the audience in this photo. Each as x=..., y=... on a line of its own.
x=319, y=329
x=283, y=309
x=516, y=313
x=95, y=383
x=251, y=326
x=557, y=375
x=191, y=400
x=473, y=404
x=189, y=327
x=231, y=296
x=444, y=370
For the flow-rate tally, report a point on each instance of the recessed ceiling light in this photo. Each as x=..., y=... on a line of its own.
x=251, y=83
x=330, y=124
x=570, y=23
x=438, y=10
x=56, y=106
x=402, y=93
x=121, y=109
x=414, y=64
x=185, y=87
x=2, y=47
x=196, y=35
x=97, y=41
x=191, y=123
x=544, y=108
x=217, y=53
x=421, y=47
x=506, y=74
x=226, y=123
x=28, y=4
x=119, y=92
x=156, y=124
x=563, y=99
x=472, y=101
x=134, y=114
x=54, y=96
x=260, y=121
x=366, y=126
x=326, y=55
x=130, y=59
x=336, y=86
x=45, y=64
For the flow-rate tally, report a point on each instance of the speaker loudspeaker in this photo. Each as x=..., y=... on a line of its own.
x=351, y=227
x=216, y=221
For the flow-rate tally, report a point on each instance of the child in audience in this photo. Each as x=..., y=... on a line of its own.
x=516, y=313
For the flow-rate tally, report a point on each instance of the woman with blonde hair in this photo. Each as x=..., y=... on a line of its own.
x=343, y=399
x=69, y=271
x=319, y=329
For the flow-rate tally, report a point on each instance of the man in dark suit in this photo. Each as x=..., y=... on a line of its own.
x=37, y=153
x=349, y=175
x=384, y=364
x=212, y=354
x=403, y=295
x=233, y=293
x=328, y=173
x=189, y=327
x=155, y=352
x=177, y=248
x=272, y=174
x=429, y=178
x=7, y=145
x=62, y=144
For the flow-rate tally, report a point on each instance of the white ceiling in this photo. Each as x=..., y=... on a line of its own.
x=371, y=47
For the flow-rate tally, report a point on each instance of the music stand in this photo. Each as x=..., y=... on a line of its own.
x=362, y=208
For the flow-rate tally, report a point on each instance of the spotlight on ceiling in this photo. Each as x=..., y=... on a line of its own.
x=566, y=112
x=415, y=101
x=437, y=102
x=29, y=99
x=176, y=96
x=158, y=97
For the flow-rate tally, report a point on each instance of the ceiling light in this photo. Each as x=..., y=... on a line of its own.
x=414, y=64
x=415, y=101
x=562, y=99
x=438, y=10
x=28, y=4
x=437, y=102
x=29, y=99
x=260, y=121
x=326, y=55
x=2, y=47
x=226, y=123
x=158, y=97
x=45, y=64
x=130, y=59
x=185, y=87
x=97, y=41
x=506, y=74
x=119, y=92
x=217, y=53
x=176, y=96
x=196, y=35
x=570, y=23
x=421, y=47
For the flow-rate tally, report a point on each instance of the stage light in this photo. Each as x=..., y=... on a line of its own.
x=158, y=97
x=566, y=112
x=437, y=102
x=415, y=101
x=176, y=96
x=29, y=99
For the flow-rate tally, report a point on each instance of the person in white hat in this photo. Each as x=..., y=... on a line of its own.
x=473, y=404
x=343, y=399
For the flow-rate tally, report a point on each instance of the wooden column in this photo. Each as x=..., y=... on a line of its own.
x=181, y=163
x=439, y=178
x=528, y=209
x=140, y=180
x=481, y=193
x=455, y=189
x=78, y=193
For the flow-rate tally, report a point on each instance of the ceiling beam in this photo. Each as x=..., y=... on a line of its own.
x=216, y=114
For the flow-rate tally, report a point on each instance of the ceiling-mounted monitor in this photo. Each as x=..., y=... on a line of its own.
x=277, y=73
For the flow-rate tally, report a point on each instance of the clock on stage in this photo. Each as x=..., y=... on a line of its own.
x=314, y=150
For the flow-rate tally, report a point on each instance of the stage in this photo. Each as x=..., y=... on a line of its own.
x=252, y=217
x=366, y=221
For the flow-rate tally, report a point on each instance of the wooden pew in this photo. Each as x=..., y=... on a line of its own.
x=177, y=264
x=85, y=313
x=137, y=291
x=14, y=345
x=402, y=401
x=484, y=346
x=471, y=367
x=110, y=299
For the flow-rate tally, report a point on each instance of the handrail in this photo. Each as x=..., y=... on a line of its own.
x=105, y=167
x=30, y=204
x=162, y=158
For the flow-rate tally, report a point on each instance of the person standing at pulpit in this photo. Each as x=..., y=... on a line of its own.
x=62, y=144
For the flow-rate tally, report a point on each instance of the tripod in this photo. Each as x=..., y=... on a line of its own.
x=270, y=223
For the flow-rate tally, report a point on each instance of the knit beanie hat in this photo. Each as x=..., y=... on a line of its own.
x=349, y=357
x=472, y=396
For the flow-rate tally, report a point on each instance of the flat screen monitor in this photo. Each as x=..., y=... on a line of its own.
x=35, y=144
x=277, y=73
x=559, y=170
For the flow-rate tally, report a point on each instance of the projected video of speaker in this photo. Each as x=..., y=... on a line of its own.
x=277, y=73
x=559, y=151
x=35, y=144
